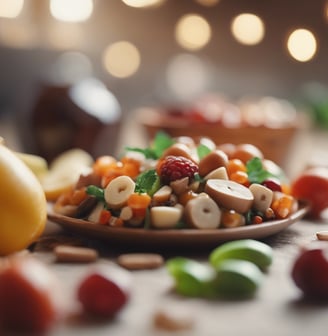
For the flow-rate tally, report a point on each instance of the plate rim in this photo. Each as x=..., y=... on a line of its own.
x=172, y=236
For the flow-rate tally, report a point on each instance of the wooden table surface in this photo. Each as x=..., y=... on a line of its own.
x=277, y=309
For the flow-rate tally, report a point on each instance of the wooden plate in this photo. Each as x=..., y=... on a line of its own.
x=174, y=238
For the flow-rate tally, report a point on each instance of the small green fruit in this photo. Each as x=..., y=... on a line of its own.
x=237, y=279
x=252, y=250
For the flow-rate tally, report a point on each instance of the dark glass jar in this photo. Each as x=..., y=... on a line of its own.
x=85, y=115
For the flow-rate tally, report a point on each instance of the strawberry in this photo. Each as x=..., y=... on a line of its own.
x=173, y=168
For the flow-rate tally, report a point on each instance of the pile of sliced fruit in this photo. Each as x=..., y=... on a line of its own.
x=179, y=183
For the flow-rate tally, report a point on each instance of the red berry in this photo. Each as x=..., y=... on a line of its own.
x=272, y=184
x=176, y=167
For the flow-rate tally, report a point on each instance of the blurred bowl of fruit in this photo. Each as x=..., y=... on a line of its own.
x=267, y=122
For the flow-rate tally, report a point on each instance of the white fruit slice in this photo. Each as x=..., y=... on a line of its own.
x=262, y=197
x=218, y=173
x=96, y=212
x=230, y=195
x=165, y=217
x=118, y=191
x=163, y=194
x=202, y=213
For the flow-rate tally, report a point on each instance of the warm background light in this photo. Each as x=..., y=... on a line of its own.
x=71, y=10
x=121, y=59
x=181, y=73
x=302, y=45
x=11, y=8
x=193, y=32
x=248, y=29
x=208, y=3
x=143, y=3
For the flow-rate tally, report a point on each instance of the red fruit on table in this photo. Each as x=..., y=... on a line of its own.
x=104, y=292
x=310, y=273
x=27, y=296
x=312, y=186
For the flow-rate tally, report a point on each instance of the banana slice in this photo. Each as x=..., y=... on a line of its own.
x=262, y=196
x=37, y=164
x=203, y=213
x=118, y=191
x=165, y=217
x=72, y=158
x=64, y=171
x=229, y=194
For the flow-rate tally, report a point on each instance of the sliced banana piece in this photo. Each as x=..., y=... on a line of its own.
x=37, y=164
x=229, y=194
x=118, y=191
x=202, y=213
x=262, y=197
x=165, y=217
x=72, y=158
x=218, y=173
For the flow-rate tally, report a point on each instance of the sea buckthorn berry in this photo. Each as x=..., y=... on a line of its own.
x=240, y=177
x=103, y=164
x=282, y=206
x=235, y=165
x=173, y=168
x=231, y=219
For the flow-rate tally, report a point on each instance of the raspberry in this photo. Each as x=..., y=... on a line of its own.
x=176, y=167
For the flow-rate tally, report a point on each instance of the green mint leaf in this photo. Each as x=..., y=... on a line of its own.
x=161, y=142
x=147, y=152
x=147, y=182
x=96, y=191
x=202, y=151
x=255, y=171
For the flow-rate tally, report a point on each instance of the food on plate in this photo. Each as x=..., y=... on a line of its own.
x=310, y=271
x=180, y=183
x=234, y=270
x=28, y=296
x=36, y=163
x=312, y=186
x=23, y=206
x=104, y=291
x=252, y=250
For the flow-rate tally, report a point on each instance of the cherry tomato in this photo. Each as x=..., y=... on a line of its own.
x=310, y=272
x=104, y=291
x=312, y=186
x=28, y=296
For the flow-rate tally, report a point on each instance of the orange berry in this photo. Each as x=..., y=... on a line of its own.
x=240, y=177
x=103, y=164
x=235, y=165
x=139, y=201
x=104, y=217
x=231, y=218
x=282, y=206
x=78, y=196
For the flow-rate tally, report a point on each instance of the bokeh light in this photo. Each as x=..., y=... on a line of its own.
x=248, y=29
x=71, y=10
x=143, y=3
x=187, y=76
x=208, y=3
x=302, y=45
x=121, y=59
x=11, y=8
x=193, y=32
